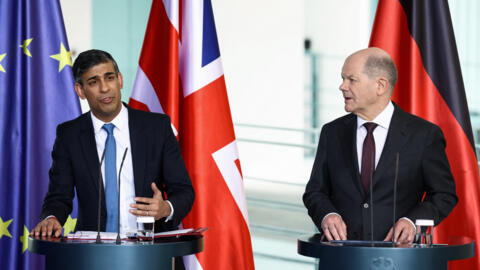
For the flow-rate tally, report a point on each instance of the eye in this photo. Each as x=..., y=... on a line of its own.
x=111, y=77
x=92, y=83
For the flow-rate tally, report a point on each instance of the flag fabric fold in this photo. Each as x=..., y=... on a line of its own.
x=419, y=37
x=180, y=74
x=36, y=94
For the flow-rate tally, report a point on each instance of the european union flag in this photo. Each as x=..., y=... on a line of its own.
x=36, y=94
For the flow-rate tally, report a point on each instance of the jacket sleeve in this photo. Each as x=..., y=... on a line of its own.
x=318, y=190
x=58, y=201
x=440, y=196
x=178, y=186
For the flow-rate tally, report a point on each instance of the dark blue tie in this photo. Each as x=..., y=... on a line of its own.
x=111, y=192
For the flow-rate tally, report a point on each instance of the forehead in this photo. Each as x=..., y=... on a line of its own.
x=99, y=70
x=353, y=65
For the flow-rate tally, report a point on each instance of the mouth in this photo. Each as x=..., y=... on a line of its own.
x=106, y=100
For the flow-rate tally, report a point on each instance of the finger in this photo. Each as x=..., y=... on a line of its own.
x=154, y=206
x=410, y=238
x=156, y=191
x=342, y=233
x=408, y=234
x=326, y=232
x=34, y=232
x=402, y=235
x=44, y=229
x=49, y=228
x=58, y=231
x=140, y=213
x=38, y=230
x=58, y=228
x=389, y=235
x=334, y=232
x=144, y=200
x=139, y=206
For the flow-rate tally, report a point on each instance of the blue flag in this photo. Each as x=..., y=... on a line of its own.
x=36, y=94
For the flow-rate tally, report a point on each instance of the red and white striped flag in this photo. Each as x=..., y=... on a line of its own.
x=180, y=74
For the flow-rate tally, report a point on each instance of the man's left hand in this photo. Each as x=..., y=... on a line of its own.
x=404, y=232
x=155, y=207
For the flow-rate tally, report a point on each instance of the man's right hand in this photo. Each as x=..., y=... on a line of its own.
x=334, y=228
x=48, y=227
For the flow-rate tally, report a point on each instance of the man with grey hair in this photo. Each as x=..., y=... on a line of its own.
x=366, y=142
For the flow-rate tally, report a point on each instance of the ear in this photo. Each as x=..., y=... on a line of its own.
x=120, y=79
x=79, y=90
x=382, y=86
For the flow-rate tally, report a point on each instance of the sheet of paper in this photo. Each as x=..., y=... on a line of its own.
x=93, y=235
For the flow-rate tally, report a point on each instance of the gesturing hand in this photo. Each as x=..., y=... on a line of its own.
x=155, y=207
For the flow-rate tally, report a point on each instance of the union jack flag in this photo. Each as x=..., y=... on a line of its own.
x=180, y=74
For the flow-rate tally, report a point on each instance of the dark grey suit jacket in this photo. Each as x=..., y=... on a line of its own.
x=156, y=157
x=335, y=183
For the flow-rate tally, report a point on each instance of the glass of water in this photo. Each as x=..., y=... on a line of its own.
x=424, y=234
x=145, y=229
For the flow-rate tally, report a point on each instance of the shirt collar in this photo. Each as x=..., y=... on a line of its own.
x=120, y=121
x=383, y=119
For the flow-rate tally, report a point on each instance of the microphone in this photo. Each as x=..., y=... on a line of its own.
x=100, y=185
x=119, y=241
x=372, y=168
x=395, y=197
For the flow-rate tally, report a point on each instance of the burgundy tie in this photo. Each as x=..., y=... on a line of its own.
x=368, y=155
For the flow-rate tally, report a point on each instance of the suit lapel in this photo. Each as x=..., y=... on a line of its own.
x=89, y=149
x=138, y=142
x=348, y=135
x=396, y=138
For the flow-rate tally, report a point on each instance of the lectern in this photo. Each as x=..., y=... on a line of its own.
x=81, y=254
x=342, y=257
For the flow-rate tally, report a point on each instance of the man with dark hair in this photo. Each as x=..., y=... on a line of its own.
x=367, y=140
x=89, y=59
x=153, y=166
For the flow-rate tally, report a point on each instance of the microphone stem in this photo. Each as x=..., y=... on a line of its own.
x=395, y=197
x=119, y=240
x=372, y=168
x=100, y=184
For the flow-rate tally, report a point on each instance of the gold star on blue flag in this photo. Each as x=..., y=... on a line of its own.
x=2, y=69
x=24, y=238
x=4, y=228
x=69, y=225
x=25, y=45
x=64, y=57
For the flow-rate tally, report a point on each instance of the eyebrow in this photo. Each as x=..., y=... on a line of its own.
x=96, y=76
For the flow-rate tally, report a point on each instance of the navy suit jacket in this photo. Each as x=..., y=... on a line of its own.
x=335, y=184
x=156, y=157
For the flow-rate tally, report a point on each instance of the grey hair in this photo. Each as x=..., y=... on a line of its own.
x=376, y=66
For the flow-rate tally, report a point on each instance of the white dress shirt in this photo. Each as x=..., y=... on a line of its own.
x=379, y=133
x=128, y=222
x=121, y=132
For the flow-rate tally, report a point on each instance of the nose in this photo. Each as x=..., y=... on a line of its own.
x=342, y=86
x=103, y=86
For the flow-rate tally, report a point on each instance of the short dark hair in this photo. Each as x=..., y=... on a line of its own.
x=381, y=66
x=88, y=59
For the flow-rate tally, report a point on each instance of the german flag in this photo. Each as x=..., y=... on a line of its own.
x=418, y=34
